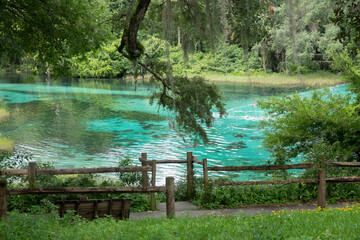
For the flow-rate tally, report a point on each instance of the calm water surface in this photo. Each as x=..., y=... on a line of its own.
x=95, y=122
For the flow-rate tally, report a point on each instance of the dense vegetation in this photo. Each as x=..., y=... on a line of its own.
x=192, y=36
x=325, y=123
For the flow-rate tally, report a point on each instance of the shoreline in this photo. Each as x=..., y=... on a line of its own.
x=316, y=79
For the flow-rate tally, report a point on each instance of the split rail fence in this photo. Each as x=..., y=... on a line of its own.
x=150, y=166
x=321, y=180
x=32, y=172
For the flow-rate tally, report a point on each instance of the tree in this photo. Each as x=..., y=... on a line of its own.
x=347, y=17
x=302, y=28
x=191, y=99
x=51, y=31
x=323, y=123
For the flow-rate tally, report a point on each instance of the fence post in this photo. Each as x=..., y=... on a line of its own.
x=32, y=174
x=321, y=188
x=190, y=175
x=322, y=183
x=153, y=183
x=144, y=173
x=206, y=176
x=170, y=197
x=3, y=199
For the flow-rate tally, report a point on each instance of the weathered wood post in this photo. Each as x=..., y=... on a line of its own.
x=144, y=173
x=322, y=183
x=190, y=175
x=32, y=174
x=170, y=197
x=206, y=176
x=3, y=199
x=153, y=183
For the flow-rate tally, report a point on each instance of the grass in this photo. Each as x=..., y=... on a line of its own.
x=4, y=114
x=320, y=78
x=6, y=145
x=341, y=223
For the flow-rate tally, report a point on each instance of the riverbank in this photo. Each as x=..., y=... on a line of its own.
x=320, y=78
x=315, y=79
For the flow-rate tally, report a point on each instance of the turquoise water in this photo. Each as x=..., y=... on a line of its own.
x=95, y=122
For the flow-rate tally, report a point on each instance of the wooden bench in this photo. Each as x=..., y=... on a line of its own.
x=96, y=208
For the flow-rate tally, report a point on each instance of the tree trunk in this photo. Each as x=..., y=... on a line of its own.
x=129, y=37
x=263, y=54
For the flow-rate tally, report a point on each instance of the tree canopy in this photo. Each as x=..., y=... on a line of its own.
x=51, y=31
x=323, y=123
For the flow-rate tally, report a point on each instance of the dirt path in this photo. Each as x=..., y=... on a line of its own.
x=184, y=209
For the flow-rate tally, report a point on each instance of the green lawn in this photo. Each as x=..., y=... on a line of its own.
x=315, y=224
x=319, y=78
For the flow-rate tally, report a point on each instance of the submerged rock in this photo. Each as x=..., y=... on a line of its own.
x=152, y=126
x=129, y=130
x=256, y=138
x=236, y=145
x=239, y=135
x=160, y=136
x=147, y=133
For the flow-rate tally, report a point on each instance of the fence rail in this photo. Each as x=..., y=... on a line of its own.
x=321, y=180
x=66, y=190
x=263, y=167
x=75, y=170
x=151, y=165
x=32, y=172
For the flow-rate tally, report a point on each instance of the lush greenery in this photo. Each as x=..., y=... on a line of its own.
x=341, y=223
x=49, y=33
x=197, y=36
x=298, y=193
x=324, y=125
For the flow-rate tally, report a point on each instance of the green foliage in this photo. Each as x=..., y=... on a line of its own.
x=105, y=62
x=301, y=29
x=347, y=17
x=299, y=126
x=193, y=101
x=51, y=31
x=126, y=178
x=350, y=68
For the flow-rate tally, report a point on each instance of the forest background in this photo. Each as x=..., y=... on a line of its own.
x=195, y=37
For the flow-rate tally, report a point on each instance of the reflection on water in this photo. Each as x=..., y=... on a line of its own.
x=95, y=122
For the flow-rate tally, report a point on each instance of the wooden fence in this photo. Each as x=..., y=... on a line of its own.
x=321, y=180
x=32, y=172
x=190, y=160
x=150, y=166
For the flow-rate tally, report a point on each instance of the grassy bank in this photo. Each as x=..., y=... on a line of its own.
x=312, y=224
x=319, y=78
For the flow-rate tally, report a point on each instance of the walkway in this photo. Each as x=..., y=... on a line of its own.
x=184, y=209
